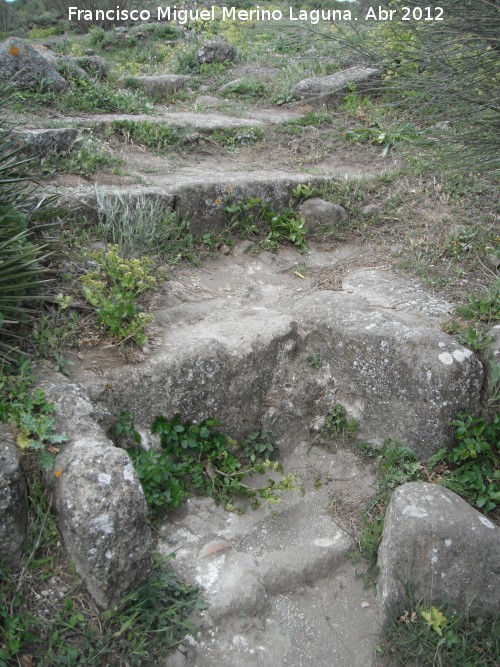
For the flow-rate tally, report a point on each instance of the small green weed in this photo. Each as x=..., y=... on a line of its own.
x=388, y=139
x=196, y=458
x=302, y=192
x=28, y=411
x=249, y=88
x=315, y=360
x=421, y=635
x=112, y=288
x=483, y=307
x=337, y=425
x=476, y=339
x=234, y=137
x=313, y=118
x=254, y=217
x=259, y=446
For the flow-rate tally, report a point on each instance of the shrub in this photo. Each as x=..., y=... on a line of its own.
x=112, y=287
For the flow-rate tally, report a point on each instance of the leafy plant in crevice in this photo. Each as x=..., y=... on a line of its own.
x=476, y=338
x=337, y=424
x=26, y=409
x=196, y=458
x=473, y=466
x=253, y=217
x=112, y=287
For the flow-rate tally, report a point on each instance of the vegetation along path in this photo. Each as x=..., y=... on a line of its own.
x=249, y=340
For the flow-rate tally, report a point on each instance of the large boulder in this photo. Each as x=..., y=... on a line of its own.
x=13, y=511
x=441, y=547
x=23, y=67
x=320, y=215
x=102, y=512
x=160, y=86
x=217, y=51
x=335, y=87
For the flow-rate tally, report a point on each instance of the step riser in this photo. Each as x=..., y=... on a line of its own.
x=201, y=203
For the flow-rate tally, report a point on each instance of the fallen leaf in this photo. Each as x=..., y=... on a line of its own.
x=26, y=660
x=52, y=449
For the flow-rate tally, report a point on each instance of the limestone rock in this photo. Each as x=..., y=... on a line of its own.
x=102, y=517
x=371, y=211
x=382, y=288
x=13, y=512
x=321, y=215
x=208, y=101
x=93, y=65
x=26, y=69
x=216, y=52
x=440, y=545
x=102, y=512
x=162, y=85
x=395, y=371
x=335, y=87
x=46, y=142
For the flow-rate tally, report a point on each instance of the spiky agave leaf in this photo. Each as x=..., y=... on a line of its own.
x=21, y=258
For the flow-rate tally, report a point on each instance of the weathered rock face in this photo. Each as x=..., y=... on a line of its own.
x=383, y=357
x=396, y=372
x=216, y=52
x=440, y=545
x=26, y=69
x=46, y=142
x=320, y=215
x=102, y=517
x=102, y=512
x=162, y=85
x=13, y=511
x=65, y=65
x=335, y=87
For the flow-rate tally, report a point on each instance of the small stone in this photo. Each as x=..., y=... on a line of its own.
x=208, y=101
x=371, y=211
x=321, y=215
